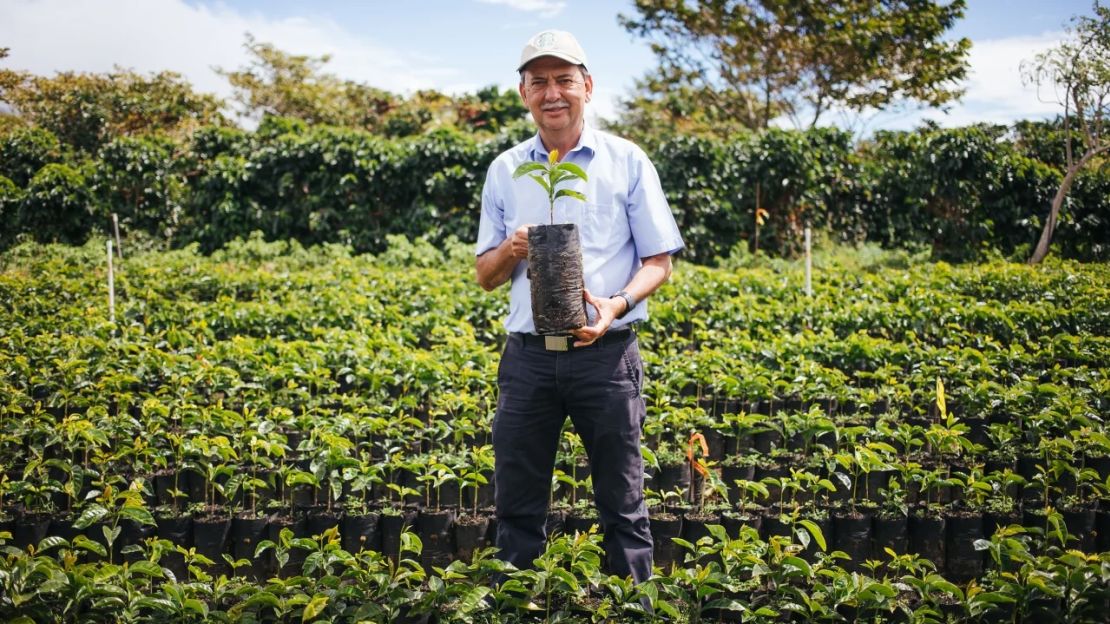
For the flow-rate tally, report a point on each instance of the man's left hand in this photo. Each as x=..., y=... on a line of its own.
x=607, y=310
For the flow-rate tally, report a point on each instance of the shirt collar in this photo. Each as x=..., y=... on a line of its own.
x=588, y=141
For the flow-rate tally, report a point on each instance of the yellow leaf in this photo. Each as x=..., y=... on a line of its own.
x=760, y=216
x=313, y=608
x=940, y=399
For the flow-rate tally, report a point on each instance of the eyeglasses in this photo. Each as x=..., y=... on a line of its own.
x=563, y=84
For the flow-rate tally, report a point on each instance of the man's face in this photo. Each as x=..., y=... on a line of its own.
x=556, y=93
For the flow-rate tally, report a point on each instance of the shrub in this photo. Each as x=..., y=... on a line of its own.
x=135, y=177
x=57, y=207
x=26, y=150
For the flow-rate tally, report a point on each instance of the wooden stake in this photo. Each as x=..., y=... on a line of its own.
x=111, y=286
x=755, y=237
x=115, y=227
x=809, y=265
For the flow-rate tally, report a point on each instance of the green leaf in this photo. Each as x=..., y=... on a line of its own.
x=528, y=167
x=570, y=193
x=315, y=606
x=148, y=568
x=718, y=532
x=474, y=599
x=882, y=589
x=410, y=542
x=567, y=578
x=683, y=543
x=798, y=563
x=542, y=182
x=938, y=583
x=138, y=514
x=263, y=599
x=110, y=533
x=572, y=169
x=52, y=541
x=83, y=542
x=91, y=514
x=196, y=606
x=995, y=598
x=815, y=531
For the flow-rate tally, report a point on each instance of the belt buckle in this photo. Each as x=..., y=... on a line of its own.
x=556, y=343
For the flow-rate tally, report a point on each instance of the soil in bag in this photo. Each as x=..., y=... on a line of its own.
x=362, y=532
x=555, y=274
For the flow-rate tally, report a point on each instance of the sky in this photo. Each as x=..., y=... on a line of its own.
x=462, y=45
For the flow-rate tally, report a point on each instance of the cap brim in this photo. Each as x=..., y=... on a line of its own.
x=566, y=57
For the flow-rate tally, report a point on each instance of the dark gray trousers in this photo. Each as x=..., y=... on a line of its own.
x=600, y=388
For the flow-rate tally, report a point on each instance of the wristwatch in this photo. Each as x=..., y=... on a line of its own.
x=628, y=299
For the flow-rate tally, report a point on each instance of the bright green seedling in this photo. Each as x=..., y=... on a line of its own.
x=550, y=175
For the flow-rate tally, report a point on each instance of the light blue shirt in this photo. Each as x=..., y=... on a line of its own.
x=625, y=217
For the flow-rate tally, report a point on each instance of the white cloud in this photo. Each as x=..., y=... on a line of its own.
x=545, y=8
x=994, y=90
x=604, y=103
x=46, y=36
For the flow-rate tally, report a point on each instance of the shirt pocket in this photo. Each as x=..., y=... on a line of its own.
x=605, y=225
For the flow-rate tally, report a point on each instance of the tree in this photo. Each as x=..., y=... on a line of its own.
x=87, y=110
x=295, y=85
x=804, y=58
x=489, y=109
x=1078, y=71
x=657, y=111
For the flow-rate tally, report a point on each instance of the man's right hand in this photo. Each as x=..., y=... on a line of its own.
x=495, y=266
x=519, y=241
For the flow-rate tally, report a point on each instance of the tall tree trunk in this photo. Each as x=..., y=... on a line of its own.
x=1050, y=225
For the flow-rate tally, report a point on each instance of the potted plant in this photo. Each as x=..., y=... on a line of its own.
x=555, y=252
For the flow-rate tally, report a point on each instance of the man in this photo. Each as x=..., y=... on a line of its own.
x=595, y=375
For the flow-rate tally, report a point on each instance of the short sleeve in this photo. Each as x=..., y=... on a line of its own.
x=491, y=224
x=654, y=230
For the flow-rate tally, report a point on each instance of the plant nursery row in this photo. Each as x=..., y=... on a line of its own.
x=273, y=433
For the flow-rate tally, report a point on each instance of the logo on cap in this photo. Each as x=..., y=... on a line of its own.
x=544, y=41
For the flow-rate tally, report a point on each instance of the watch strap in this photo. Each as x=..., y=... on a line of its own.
x=629, y=300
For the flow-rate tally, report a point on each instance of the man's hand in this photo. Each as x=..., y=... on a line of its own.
x=494, y=267
x=519, y=241
x=607, y=310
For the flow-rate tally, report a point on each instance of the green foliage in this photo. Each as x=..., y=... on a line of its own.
x=802, y=178
x=280, y=84
x=24, y=151
x=961, y=191
x=136, y=178
x=1045, y=140
x=86, y=110
x=277, y=84
x=550, y=175
x=659, y=110
x=804, y=58
x=490, y=109
x=153, y=152
x=327, y=184
x=10, y=198
x=1084, y=228
x=57, y=206
x=1078, y=71
x=356, y=377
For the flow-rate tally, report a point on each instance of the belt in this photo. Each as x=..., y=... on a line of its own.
x=566, y=343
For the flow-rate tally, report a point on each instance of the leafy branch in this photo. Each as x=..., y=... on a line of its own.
x=550, y=175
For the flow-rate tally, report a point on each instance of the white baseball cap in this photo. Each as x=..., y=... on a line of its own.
x=557, y=43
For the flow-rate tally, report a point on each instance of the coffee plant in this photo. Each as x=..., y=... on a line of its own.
x=280, y=433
